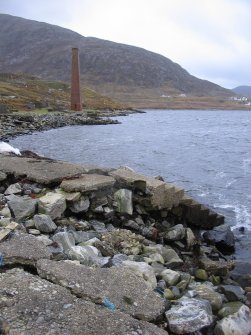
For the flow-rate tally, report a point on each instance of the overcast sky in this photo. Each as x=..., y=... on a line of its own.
x=211, y=39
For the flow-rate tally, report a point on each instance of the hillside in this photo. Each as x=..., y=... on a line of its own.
x=243, y=90
x=24, y=92
x=124, y=72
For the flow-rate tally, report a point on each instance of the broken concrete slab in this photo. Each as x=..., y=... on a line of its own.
x=33, y=306
x=121, y=286
x=23, y=249
x=44, y=171
x=162, y=195
x=87, y=183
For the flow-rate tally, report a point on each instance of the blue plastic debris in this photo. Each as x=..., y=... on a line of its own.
x=108, y=304
x=159, y=290
x=1, y=260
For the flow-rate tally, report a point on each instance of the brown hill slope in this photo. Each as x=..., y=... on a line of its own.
x=121, y=71
x=23, y=92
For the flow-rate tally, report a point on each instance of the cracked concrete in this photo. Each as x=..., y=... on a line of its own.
x=34, y=306
x=123, y=288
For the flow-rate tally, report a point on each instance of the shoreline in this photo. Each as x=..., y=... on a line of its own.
x=17, y=124
x=79, y=226
x=88, y=233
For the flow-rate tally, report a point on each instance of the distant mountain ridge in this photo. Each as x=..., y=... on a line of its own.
x=120, y=71
x=243, y=90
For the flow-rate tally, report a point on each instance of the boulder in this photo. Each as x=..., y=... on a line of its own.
x=23, y=249
x=14, y=189
x=81, y=205
x=201, y=274
x=21, y=207
x=84, y=236
x=238, y=323
x=98, y=226
x=96, y=284
x=189, y=315
x=45, y=240
x=44, y=223
x=86, y=255
x=171, y=258
x=142, y=270
x=222, y=237
x=64, y=240
x=52, y=204
x=3, y=176
x=242, y=273
x=176, y=233
x=170, y=277
x=34, y=306
x=220, y=268
x=233, y=292
x=229, y=308
x=208, y=293
x=123, y=198
x=190, y=238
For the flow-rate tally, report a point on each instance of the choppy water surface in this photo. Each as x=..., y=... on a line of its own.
x=206, y=152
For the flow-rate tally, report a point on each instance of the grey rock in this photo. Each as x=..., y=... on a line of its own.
x=170, y=277
x=229, y=308
x=34, y=306
x=238, y=323
x=3, y=176
x=98, y=226
x=142, y=270
x=13, y=189
x=80, y=205
x=123, y=197
x=64, y=240
x=206, y=292
x=189, y=315
x=21, y=207
x=45, y=240
x=23, y=249
x=5, y=212
x=112, y=283
x=232, y=292
x=52, y=204
x=33, y=231
x=171, y=258
x=242, y=273
x=222, y=237
x=130, y=224
x=117, y=260
x=175, y=233
x=190, y=238
x=218, y=268
x=44, y=223
x=87, y=255
x=84, y=236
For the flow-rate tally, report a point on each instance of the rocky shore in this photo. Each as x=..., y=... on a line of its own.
x=14, y=124
x=86, y=250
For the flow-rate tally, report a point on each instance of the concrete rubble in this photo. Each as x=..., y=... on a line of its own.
x=85, y=250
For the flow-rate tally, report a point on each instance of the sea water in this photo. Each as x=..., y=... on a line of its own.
x=208, y=153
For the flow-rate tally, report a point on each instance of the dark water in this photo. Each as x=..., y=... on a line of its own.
x=206, y=152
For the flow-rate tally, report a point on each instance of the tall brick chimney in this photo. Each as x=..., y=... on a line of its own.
x=76, y=103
